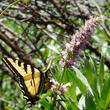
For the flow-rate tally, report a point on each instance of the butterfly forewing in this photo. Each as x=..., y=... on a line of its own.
x=30, y=76
x=32, y=80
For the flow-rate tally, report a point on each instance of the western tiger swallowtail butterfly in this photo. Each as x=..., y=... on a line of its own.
x=31, y=80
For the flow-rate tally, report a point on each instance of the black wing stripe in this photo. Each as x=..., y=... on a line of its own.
x=6, y=63
x=19, y=63
x=31, y=83
x=25, y=67
x=32, y=69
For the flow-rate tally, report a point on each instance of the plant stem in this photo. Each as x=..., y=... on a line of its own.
x=8, y=7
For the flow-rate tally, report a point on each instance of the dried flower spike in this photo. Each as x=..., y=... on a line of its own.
x=78, y=41
x=59, y=88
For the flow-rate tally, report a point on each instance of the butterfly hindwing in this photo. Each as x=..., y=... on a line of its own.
x=28, y=77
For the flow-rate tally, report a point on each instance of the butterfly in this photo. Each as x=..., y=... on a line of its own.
x=31, y=80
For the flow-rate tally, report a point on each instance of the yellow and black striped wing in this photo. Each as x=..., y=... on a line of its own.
x=27, y=76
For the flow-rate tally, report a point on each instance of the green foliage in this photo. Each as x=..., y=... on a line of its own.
x=99, y=81
x=26, y=1
x=89, y=103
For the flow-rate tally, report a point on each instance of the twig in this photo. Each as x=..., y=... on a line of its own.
x=9, y=7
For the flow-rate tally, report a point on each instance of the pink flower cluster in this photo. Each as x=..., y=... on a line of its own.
x=78, y=41
x=59, y=88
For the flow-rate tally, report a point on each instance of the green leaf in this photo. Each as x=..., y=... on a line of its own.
x=81, y=81
x=90, y=72
x=89, y=102
x=45, y=104
x=69, y=103
x=101, y=75
x=105, y=95
x=101, y=71
x=72, y=106
x=26, y=1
